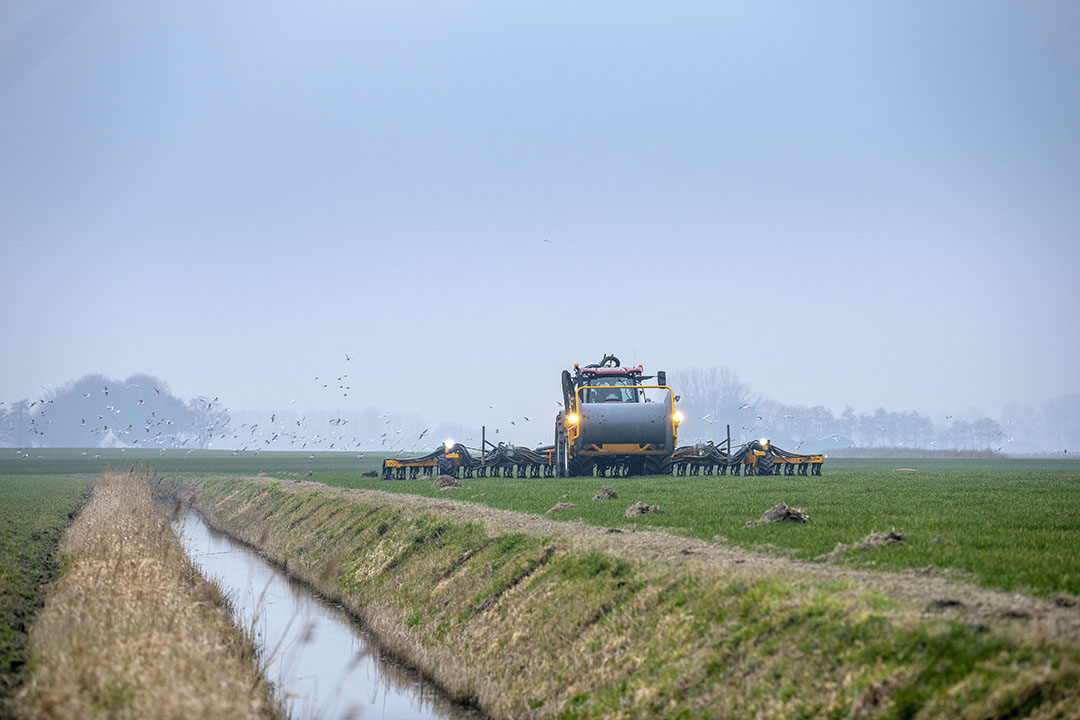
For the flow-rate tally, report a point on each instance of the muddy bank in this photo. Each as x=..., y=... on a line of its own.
x=528, y=617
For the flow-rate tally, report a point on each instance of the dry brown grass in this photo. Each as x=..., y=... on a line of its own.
x=132, y=630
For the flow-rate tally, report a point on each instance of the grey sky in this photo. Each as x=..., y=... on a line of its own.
x=846, y=203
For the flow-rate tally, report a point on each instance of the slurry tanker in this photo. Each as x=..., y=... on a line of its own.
x=614, y=422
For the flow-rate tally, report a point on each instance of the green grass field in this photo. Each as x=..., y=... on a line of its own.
x=81, y=461
x=35, y=513
x=1007, y=523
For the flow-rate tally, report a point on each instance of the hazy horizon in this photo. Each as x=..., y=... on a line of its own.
x=711, y=399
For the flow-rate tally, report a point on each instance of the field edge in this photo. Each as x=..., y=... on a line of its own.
x=528, y=624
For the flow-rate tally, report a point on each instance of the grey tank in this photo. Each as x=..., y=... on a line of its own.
x=617, y=422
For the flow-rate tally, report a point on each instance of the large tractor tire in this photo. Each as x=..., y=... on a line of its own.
x=446, y=466
x=567, y=391
x=561, y=448
x=658, y=465
x=566, y=466
x=579, y=467
x=766, y=464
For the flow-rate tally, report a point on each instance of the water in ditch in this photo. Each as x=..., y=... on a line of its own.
x=322, y=663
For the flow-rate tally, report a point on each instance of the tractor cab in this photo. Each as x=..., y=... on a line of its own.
x=607, y=382
x=611, y=387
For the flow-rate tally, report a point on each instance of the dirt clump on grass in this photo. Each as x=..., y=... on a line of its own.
x=606, y=493
x=877, y=695
x=559, y=506
x=873, y=540
x=642, y=508
x=780, y=513
x=945, y=603
x=446, y=481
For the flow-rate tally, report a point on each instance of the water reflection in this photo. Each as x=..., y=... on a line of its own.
x=321, y=661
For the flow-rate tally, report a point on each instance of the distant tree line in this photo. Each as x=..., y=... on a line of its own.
x=141, y=412
x=96, y=411
x=712, y=398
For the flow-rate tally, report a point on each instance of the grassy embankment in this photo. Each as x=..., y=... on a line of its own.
x=534, y=625
x=1009, y=524
x=132, y=629
x=35, y=513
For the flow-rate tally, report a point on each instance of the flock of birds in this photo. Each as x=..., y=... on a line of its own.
x=205, y=427
x=207, y=423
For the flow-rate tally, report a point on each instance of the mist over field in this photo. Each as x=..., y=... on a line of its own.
x=140, y=412
x=355, y=223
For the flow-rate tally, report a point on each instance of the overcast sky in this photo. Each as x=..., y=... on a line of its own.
x=874, y=204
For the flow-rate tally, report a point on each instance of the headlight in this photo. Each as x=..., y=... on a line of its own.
x=677, y=417
x=449, y=445
x=572, y=419
x=764, y=443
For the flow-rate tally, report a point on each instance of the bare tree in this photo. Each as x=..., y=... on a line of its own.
x=711, y=398
x=1061, y=420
